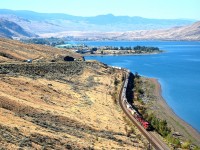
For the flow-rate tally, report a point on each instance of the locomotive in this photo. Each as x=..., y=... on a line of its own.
x=137, y=116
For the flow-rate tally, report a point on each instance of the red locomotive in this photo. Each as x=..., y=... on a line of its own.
x=144, y=123
x=138, y=117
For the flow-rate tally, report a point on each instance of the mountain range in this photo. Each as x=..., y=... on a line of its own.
x=55, y=22
x=21, y=23
x=186, y=33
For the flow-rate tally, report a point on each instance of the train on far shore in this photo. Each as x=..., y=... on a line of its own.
x=135, y=114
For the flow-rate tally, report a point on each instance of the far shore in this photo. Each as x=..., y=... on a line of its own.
x=173, y=120
x=132, y=54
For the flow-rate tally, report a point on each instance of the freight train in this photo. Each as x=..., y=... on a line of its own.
x=135, y=114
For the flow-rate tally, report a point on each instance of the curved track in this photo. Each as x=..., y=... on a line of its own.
x=152, y=138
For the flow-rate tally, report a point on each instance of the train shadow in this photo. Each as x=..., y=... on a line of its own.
x=130, y=97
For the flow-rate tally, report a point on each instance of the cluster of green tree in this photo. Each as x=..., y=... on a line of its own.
x=136, y=48
x=44, y=41
x=144, y=48
x=159, y=125
x=162, y=128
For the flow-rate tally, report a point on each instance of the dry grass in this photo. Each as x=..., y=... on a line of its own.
x=76, y=111
x=11, y=50
x=58, y=105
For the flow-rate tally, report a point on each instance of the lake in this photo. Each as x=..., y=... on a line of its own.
x=177, y=70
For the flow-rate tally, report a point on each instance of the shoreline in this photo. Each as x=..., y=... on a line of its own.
x=93, y=55
x=173, y=120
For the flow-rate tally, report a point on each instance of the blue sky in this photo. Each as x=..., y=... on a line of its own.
x=165, y=9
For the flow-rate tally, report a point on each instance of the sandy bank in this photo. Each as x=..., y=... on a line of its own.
x=176, y=123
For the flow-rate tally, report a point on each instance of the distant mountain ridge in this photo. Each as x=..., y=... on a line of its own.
x=57, y=22
x=186, y=33
x=10, y=29
x=189, y=33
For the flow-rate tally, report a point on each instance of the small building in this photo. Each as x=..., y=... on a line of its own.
x=64, y=46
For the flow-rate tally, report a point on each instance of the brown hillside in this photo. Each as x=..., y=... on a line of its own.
x=12, y=50
x=60, y=105
x=190, y=32
x=70, y=106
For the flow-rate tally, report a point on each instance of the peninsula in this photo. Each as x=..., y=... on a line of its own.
x=110, y=50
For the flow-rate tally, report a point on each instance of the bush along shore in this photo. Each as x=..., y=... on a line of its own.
x=145, y=95
x=111, y=50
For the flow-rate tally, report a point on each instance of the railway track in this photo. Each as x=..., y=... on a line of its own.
x=151, y=137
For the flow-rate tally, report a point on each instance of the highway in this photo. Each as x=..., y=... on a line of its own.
x=150, y=135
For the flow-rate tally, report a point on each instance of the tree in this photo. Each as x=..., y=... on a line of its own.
x=94, y=49
x=137, y=75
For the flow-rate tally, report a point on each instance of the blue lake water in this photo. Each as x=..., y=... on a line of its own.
x=178, y=71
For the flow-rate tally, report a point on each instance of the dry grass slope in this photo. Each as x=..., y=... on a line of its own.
x=60, y=105
x=11, y=50
x=57, y=112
